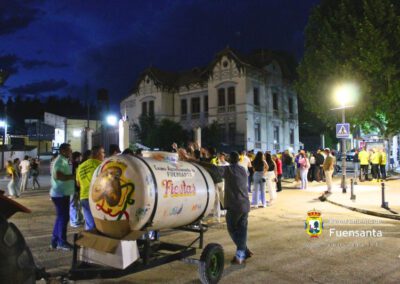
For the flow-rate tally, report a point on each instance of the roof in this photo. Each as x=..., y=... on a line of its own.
x=14, y=148
x=257, y=59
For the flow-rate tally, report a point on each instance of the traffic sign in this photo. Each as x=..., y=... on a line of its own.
x=343, y=130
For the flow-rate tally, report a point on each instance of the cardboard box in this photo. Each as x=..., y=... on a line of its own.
x=114, y=229
x=117, y=253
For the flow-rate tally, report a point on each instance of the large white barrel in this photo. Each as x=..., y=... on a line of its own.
x=155, y=192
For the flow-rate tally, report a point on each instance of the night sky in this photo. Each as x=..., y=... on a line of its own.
x=54, y=47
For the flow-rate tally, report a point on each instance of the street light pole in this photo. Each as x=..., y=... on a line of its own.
x=344, y=187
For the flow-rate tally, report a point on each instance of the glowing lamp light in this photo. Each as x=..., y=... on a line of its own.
x=346, y=94
x=76, y=133
x=3, y=123
x=112, y=120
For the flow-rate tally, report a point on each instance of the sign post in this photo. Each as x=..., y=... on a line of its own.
x=343, y=132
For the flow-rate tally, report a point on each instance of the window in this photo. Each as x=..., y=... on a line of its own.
x=275, y=101
x=276, y=135
x=205, y=103
x=231, y=96
x=291, y=105
x=221, y=97
x=151, y=108
x=257, y=132
x=195, y=105
x=291, y=136
x=256, y=97
x=183, y=107
x=232, y=133
x=144, y=108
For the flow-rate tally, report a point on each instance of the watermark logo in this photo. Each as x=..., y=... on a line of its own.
x=314, y=224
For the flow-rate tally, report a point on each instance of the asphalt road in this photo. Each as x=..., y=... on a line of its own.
x=284, y=253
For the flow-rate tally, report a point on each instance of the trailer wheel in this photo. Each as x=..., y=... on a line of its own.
x=16, y=260
x=211, y=264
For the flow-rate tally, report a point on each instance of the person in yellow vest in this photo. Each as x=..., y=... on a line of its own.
x=363, y=156
x=375, y=161
x=12, y=185
x=84, y=177
x=382, y=164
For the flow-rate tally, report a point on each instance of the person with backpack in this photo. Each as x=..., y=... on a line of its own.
x=304, y=165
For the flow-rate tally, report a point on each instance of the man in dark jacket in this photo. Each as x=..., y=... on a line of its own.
x=319, y=161
x=237, y=205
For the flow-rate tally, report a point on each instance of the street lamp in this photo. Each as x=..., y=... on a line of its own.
x=112, y=120
x=345, y=95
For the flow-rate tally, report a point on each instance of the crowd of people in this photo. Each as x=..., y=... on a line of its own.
x=19, y=173
x=235, y=176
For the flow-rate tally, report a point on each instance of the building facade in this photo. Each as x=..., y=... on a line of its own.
x=250, y=97
x=70, y=130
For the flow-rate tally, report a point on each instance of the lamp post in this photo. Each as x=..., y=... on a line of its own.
x=3, y=78
x=345, y=94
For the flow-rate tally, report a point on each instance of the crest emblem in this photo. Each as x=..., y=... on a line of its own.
x=314, y=224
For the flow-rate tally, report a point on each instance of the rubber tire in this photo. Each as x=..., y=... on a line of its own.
x=16, y=260
x=208, y=253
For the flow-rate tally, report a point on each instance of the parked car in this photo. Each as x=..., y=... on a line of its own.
x=350, y=155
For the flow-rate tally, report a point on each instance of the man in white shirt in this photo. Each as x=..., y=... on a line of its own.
x=24, y=167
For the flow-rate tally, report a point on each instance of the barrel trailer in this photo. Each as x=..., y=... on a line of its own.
x=131, y=194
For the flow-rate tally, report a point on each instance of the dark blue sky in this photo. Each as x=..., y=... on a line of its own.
x=53, y=47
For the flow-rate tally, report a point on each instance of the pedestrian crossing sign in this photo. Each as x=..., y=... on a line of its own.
x=343, y=130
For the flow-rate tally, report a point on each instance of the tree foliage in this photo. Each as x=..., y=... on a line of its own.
x=358, y=41
x=159, y=134
x=18, y=109
x=211, y=135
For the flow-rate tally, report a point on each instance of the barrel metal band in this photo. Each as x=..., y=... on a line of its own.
x=153, y=213
x=208, y=193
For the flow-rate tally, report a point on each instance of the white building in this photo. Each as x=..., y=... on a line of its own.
x=250, y=97
x=69, y=130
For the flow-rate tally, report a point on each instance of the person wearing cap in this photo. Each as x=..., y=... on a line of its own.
x=328, y=166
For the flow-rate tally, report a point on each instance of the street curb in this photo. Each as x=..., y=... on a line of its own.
x=364, y=211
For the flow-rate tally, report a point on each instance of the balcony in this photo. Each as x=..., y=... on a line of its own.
x=184, y=117
x=231, y=108
x=221, y=109
x=257, y=108
x=257, y=145
x=195, y=116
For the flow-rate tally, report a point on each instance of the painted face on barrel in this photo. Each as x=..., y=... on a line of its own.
x=108, y=186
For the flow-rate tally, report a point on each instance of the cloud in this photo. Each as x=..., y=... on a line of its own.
x=30, y=64
x=15, y=15
x=41, y=87
x=8, y=63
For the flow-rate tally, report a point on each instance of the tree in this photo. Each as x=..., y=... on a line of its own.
x=354, y=40
x=144, y=128
x=211, y=135
x=154, y=134
x=168, y=132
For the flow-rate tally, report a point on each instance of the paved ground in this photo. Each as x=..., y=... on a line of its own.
x=284, y=253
